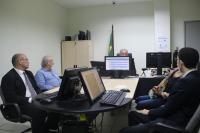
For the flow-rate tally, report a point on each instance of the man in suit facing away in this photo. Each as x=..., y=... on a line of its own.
x=19, y=86
x=180, y=105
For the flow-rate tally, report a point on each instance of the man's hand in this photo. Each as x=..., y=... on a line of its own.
x=144, y=111
x=164, y=94
x=157, y=90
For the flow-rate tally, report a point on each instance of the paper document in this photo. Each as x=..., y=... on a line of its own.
x=52, y=90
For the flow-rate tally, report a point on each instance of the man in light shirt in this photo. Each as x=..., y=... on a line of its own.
x=19, y=86
x=46, y=77
x=123, y=52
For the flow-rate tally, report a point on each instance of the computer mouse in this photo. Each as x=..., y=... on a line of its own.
x=125, y=90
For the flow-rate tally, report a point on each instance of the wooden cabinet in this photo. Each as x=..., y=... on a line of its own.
x=78, y=53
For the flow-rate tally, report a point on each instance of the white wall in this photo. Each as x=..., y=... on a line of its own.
x=182, y=10
x=162, y=25
x=33, y=27
x=36, y=27
x=133, y=28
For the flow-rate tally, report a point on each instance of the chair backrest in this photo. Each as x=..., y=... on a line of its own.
x=11, y=111
x=194, y=123
x=198, y=66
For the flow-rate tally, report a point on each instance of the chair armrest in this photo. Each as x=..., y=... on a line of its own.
x=11, y=111
x=165, y=128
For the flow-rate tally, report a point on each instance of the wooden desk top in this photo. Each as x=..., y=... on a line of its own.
x=113, y=84
x=118, y=84
x=110, y=84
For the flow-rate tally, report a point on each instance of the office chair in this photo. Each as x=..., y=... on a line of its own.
x=11, y=112
x=192, y=126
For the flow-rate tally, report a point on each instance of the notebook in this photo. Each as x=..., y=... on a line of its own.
x=94, y=89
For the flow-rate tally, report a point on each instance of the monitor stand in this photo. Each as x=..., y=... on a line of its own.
x=79, y=98
x=159, y=70
x=118, y=75
x=115, y=74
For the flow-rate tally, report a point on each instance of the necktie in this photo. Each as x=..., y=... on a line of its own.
x=31, y=89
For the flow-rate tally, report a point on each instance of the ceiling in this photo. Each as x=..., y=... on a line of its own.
x=84, y=3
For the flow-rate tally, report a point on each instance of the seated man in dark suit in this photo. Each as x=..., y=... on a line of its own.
x=180, y=105
x=19, y=86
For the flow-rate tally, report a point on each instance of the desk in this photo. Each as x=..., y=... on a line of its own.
x=83, y=107
x=117, y=84
x=66, y=107
x=145, y=84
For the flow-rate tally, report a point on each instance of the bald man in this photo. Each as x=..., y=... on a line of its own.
x=19, y=86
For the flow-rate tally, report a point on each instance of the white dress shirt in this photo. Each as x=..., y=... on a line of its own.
x=185, y=74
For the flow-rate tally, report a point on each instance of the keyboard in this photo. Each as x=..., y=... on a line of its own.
x=49, y=94
x=113, y=98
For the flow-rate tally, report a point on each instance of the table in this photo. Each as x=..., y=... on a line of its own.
x=118, y=84
x=66, y=107
x=145, y=84
x=77, y=107
x=84, y=106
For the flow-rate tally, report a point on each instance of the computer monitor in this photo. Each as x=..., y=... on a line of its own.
x=158, y=60
x=116, y=64
x=71, y=84
x=100, y=66
x=92, y=84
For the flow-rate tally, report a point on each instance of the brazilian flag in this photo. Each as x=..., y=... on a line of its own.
x=111, y=44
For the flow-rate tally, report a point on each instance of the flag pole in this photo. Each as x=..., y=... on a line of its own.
x=113, y=39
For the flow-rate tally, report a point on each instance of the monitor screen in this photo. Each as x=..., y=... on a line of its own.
x=117, y=63
x=92, y=84
x=158, y=60
x=100, y=66
x=71, y=84
x=153, y=59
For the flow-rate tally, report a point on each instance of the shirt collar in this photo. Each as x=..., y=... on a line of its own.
x=191, y=70
x=44, y=69
x=20, y=72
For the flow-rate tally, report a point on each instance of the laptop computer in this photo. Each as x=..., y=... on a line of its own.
x=95, y=90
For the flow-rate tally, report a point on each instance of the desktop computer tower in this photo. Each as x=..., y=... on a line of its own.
x=73, y=126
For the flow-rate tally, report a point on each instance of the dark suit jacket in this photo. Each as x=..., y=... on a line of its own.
x=13, y=87
x=183, y=102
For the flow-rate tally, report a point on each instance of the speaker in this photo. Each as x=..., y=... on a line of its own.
x=68, y=38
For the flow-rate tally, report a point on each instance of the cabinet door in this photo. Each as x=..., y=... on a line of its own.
x=68, y=57
x=84, y=53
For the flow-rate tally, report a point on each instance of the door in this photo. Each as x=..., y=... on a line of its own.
x=192, y=34
x=83, y=50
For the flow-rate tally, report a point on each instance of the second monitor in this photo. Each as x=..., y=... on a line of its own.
x=117, y=64
x=158, y=60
